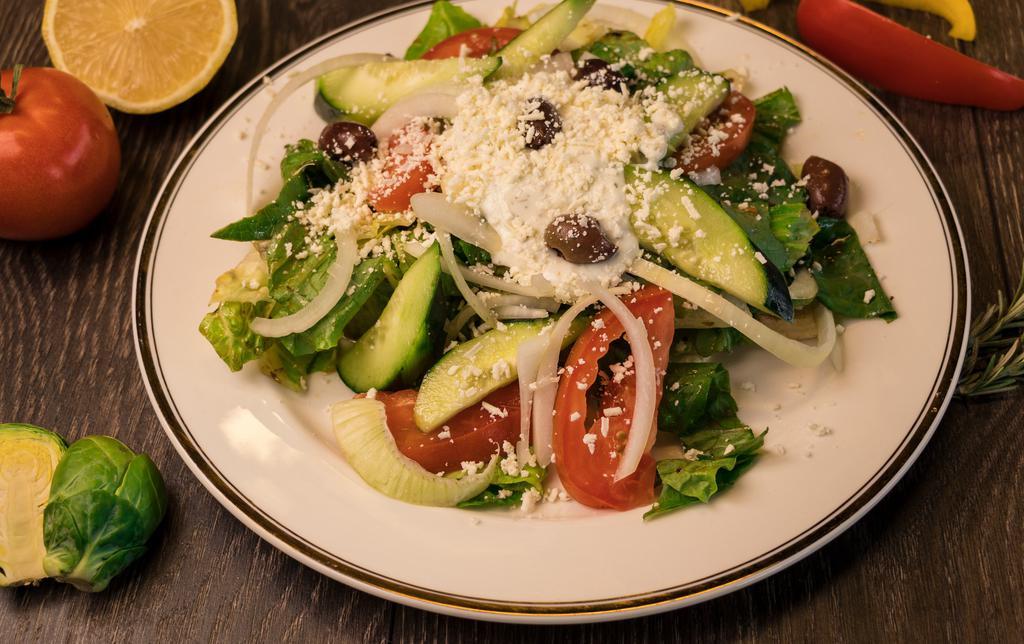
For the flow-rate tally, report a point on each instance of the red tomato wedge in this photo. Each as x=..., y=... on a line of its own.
x=587, y=468
x=474, y=434
x=478, y=42
x=721, y=137
x=407, y=169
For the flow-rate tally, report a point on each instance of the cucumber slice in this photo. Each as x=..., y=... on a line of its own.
x=695, y=94
x=361, y=429
x=400, y=344
x=363, y=92
x=543, y=37
x=468, y=373
x=688, y=228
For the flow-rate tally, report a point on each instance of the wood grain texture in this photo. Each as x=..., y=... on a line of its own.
x=940, y=559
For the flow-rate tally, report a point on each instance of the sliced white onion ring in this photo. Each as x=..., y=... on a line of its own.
x=295, y=81
x=424, y=104
x=641, y=427
x=528, y=357
x=338, y=276
x=539, y=289
x=795, y=353
x=494, y=300
x=519, y=312
x=452, y=267
x=435, y=209
x=546, y=382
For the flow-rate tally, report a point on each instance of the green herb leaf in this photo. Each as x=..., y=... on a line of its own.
x=995, y=349
x=446, y=20
x=846, y=282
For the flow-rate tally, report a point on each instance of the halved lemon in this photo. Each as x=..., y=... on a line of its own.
x=140, y=56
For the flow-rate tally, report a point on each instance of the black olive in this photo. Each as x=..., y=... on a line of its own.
x=828, y=188
x=348, y=141
x=539, y=123
x=598, y=73
x=579, y=239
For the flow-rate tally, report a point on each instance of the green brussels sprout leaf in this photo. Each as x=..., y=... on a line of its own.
x=105, y=503
x=28, y=457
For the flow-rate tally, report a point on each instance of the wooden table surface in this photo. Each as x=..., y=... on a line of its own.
x=940, y=559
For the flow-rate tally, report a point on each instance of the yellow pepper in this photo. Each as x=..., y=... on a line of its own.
x=660, y=27
x=754, y=5
x=958, y=13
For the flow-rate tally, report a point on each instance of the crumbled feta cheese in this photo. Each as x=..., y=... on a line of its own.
x=531, y=498
x=590, y=440
x=869, y=295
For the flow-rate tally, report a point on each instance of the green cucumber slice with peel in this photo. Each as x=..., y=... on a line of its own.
x=364, y=92
x=361, y=430
x=683, y=224
x=541, y=38
x=404, y=339
x=474, y=369
x=695, y=94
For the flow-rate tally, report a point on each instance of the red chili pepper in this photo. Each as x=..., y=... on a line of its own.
x=886, y=54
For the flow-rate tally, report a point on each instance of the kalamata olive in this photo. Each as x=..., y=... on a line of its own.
x=348, y=141
x=539, y=123
x=579, y=239
x=598, y=73
x=827, y=187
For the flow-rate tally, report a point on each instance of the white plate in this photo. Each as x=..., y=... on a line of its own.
x=267, y=455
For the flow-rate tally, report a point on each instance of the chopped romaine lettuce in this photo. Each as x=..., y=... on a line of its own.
x=320, y=170
x=704, y=342
x=367, y=295
x=286, y=368
x=270, y=217
x=227, y=329
x=776, y=114
x=246, y=282
x=640, y=64
x=507, y=490
x=445, y=21
x=793, y=225
x=846, y=282
x=698, y=406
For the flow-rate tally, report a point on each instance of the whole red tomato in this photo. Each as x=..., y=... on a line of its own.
x=59, y=155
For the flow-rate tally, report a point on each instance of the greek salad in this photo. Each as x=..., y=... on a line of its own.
x=526, y=247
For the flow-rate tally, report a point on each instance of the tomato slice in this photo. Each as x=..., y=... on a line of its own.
x=473, y=435
x=407, y=170
x=478, y=42
x=587, y=468
x=720, y=138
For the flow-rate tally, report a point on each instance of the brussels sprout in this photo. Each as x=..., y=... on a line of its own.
x=28, y=456
x=105, y=502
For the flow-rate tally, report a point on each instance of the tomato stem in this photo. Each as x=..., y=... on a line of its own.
x=7, y=102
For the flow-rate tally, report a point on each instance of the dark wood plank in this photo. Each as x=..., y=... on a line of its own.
x=938, y=560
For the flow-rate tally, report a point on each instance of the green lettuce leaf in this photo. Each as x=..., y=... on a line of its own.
x=269, y=218
x=793, y=225
x=246, y=282
x=641, y=65
x=507, y=490
x=445, y=21
x=227, y=330
x=285, y=367
x=320, y=170
x=844, y=274
x=372, y=283
x=704, y=342
x=777, y=112
x=696, y=394
x=698, y=406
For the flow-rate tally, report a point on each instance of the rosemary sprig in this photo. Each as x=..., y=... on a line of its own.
x=995, y=348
